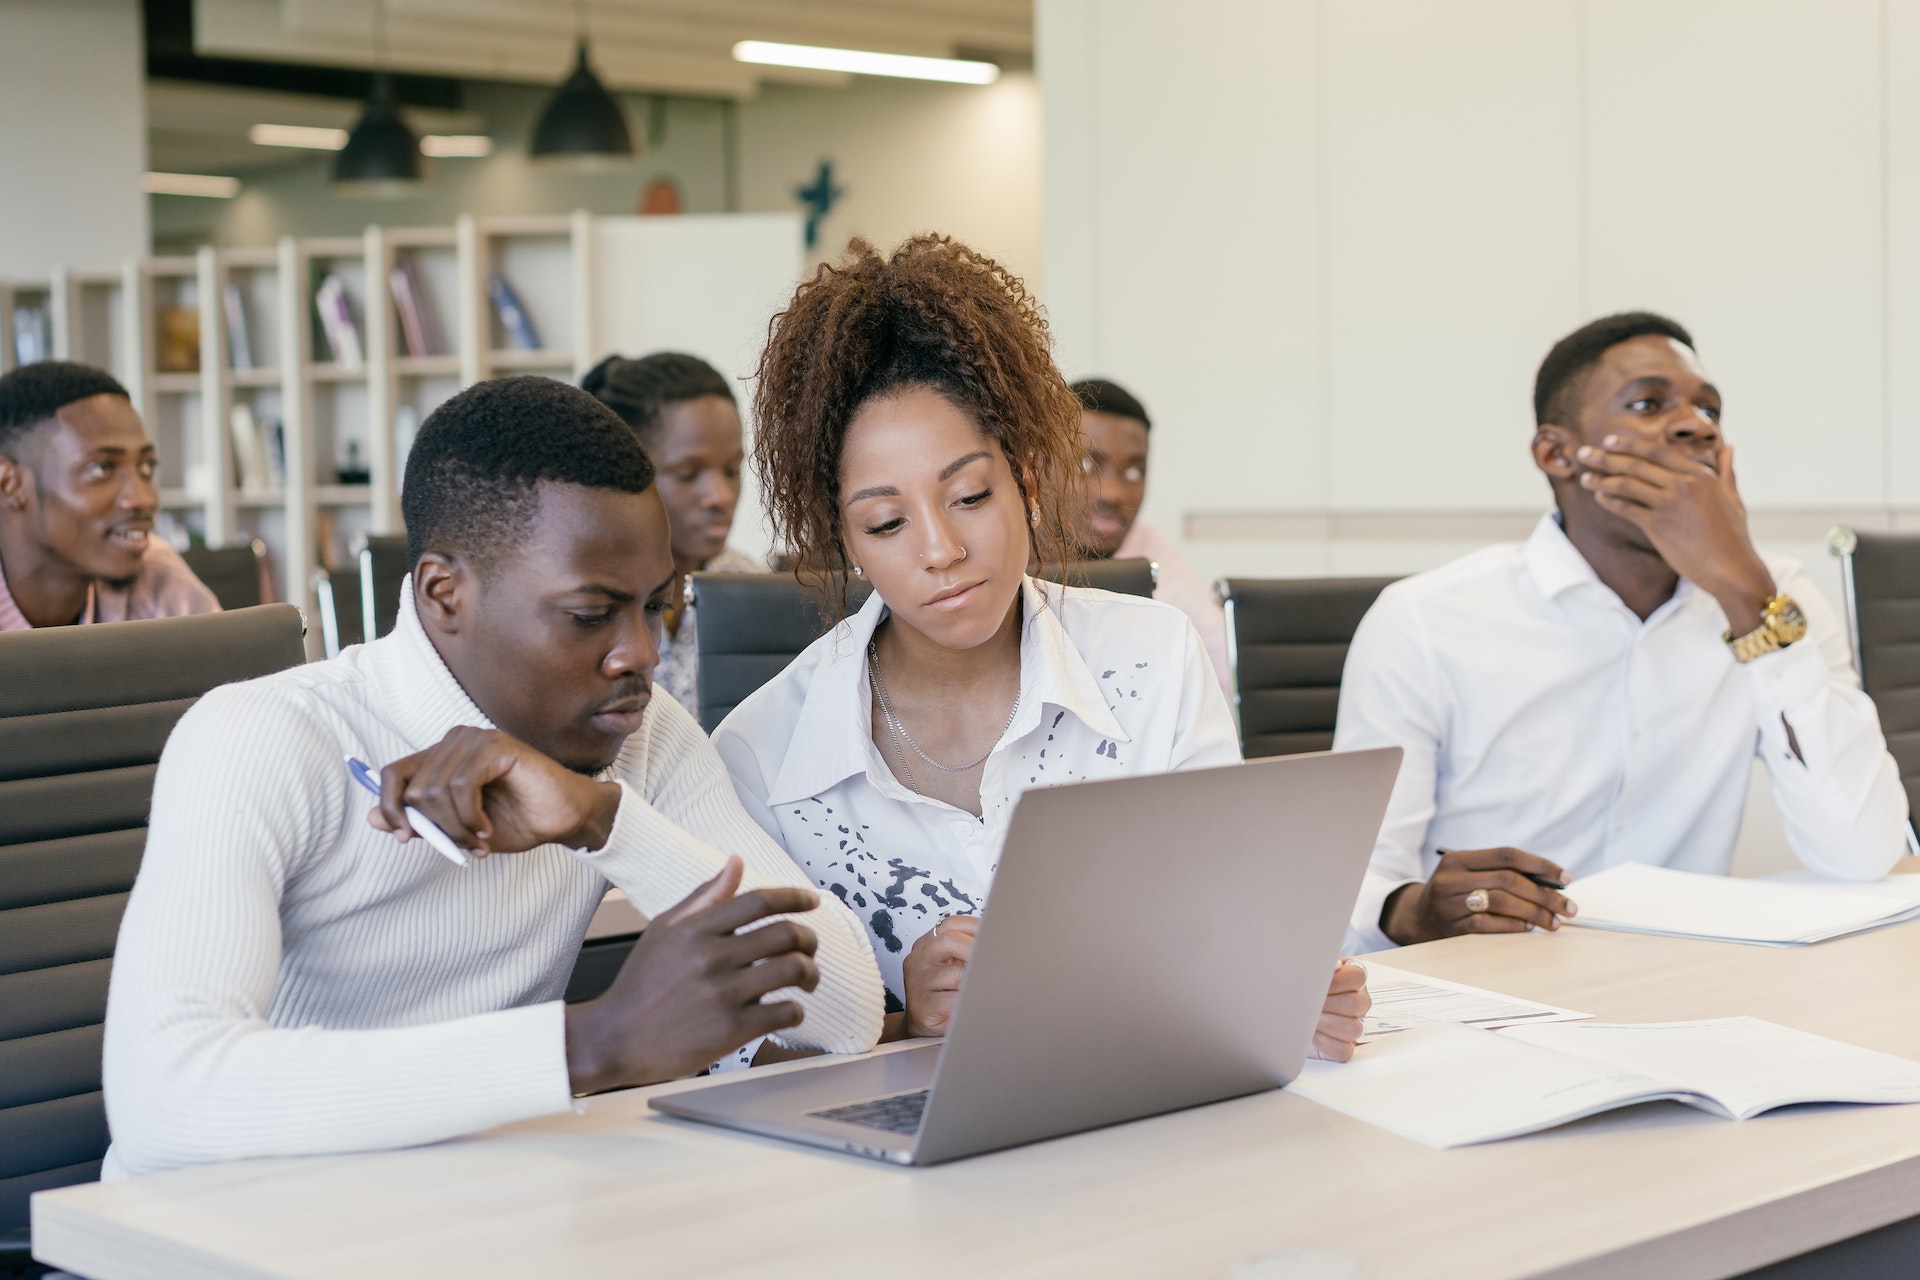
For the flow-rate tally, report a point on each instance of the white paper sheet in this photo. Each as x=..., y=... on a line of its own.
x=1403, y=1000
x=1448, y=1085
x=1747, y=1065
x=1638, y=898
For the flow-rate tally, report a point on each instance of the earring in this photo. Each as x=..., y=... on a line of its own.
x=858, y=572
x=1035, y=517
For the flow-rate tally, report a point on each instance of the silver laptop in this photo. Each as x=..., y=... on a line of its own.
x=1152, y=943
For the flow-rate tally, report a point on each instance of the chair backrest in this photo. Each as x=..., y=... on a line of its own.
x=338, y=591
x=1287, y=641
x=1131, y=577
x=84, y=712
x=753, y=624
x=1880, y=575
x=233, y=573
x=383, y=567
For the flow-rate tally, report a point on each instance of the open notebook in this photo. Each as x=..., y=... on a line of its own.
x=1637, y=898
x=1452, y=1085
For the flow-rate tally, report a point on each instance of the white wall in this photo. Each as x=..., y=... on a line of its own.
x=704, y=285
x=74, y=143
x=912, y=157
x=1328, y=244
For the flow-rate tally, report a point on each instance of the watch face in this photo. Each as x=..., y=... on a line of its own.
x=1786, y=622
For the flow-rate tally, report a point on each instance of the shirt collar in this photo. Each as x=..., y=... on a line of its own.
x=1555, y=563
x=422, y=698
x=833, y=737
x=1557, y=567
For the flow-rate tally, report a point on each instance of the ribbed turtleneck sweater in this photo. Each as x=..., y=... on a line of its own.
x=291, y=981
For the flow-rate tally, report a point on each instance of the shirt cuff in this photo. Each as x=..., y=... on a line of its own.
x=648, y=857
x=1788, y=678
x=1366, y=935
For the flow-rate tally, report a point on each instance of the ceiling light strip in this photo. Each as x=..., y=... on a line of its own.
x=190, y=184
x=297, y=135
x=456, y=145
x=861, y=63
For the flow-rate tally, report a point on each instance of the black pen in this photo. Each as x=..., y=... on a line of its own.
x=1542, y=881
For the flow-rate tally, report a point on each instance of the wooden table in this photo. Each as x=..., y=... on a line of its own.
x=1660, y=1190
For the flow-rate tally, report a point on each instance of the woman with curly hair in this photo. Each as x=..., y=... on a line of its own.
x=914, y=432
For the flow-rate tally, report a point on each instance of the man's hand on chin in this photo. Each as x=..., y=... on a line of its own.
x=1692, y=513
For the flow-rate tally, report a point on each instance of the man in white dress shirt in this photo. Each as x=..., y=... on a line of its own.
x=1597, y=694
x=297, y=974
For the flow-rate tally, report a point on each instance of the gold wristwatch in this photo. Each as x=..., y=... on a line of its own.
x=1781, y=623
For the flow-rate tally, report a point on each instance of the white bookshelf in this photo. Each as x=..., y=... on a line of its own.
x=117, y=318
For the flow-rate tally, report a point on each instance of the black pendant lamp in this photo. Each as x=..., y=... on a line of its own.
x=583, y=123
x=382, y=155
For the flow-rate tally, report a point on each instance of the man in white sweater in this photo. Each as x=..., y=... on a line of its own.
x=297, y=974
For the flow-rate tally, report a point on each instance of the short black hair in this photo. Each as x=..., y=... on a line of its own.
x=32, y=394
x=1102, y=396
x=1556, y=387
x=475, y=466
x=638, y=390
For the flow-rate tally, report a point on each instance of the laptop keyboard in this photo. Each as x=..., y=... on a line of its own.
x=898, y=1114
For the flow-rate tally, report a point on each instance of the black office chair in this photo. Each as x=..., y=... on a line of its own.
x=235, y=574
x=383, y=567
x=338, y=591
x=753, y=624
x=1287, y=641
x=1880, y=579
x=84, y=712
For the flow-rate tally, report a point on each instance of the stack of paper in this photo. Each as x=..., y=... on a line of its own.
x=1449, y=1086
x=1637, y=898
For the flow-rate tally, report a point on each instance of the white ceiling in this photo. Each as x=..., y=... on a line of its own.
x=667, y=46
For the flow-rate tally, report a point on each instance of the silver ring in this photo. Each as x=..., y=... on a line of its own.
x=1478, y=900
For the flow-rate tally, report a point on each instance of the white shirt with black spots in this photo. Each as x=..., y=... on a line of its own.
x=1110, y=686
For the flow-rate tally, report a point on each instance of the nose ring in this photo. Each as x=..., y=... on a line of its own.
x=963, y=554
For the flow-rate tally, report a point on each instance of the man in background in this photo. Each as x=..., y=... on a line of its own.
x=1118, y=436
x=77, y=504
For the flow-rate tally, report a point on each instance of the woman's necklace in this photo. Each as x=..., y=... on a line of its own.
x=899, y=733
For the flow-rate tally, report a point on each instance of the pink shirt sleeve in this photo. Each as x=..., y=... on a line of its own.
x=1182, y=586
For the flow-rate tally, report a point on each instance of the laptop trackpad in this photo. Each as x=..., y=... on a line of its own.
x=800, y=1097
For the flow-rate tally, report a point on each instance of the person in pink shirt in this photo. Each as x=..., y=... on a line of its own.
x=1118, y=434
x=77, y=503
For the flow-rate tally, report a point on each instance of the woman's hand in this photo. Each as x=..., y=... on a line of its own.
x=933, y=973
x=1341, y=1017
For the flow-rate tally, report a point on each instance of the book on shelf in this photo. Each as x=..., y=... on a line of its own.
x=513, y=316
x=273, y=440
x=249, y=450
x=179, y=340
x=419, y=331
x=239, y=337
x=32, y=335
x=336, y=322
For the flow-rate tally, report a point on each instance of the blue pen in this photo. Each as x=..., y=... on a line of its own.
x=423, y=826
